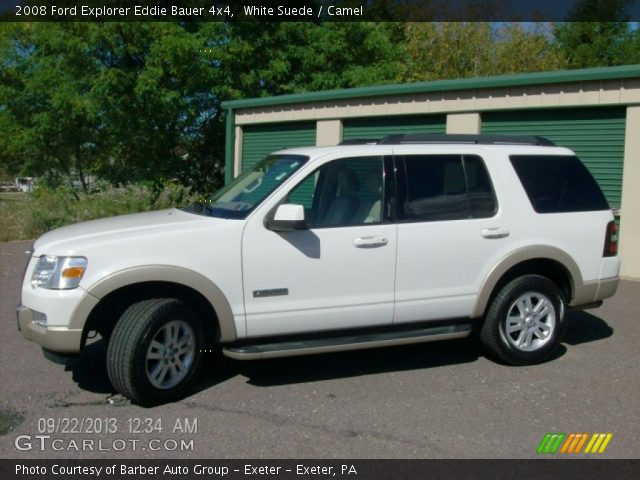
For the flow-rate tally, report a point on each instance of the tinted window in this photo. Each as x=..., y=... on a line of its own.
x=482, y=200
x=557, y=184
x=447, y=187
x=342, y=192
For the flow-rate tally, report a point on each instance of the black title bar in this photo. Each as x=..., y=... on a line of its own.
x=311, y=469
x=320, y=10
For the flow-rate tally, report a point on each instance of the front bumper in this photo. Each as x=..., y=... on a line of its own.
x=53, y=338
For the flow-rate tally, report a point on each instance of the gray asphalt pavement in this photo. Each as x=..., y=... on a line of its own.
x=439, y=400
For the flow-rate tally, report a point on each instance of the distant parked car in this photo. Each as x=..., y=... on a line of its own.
x=25, y=184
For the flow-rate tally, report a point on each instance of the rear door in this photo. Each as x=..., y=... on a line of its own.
x=450, y=227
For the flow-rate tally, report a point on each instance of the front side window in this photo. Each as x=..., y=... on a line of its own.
x=241, y=196
x=342, y=192
x=446, y=187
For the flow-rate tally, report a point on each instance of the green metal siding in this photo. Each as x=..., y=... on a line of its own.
x=595, y=134
x=377, y=127
x=258, y=141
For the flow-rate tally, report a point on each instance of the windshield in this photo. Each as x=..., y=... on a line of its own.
x=241, y=196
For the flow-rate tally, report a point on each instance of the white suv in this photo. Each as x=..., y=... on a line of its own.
x=409, y=239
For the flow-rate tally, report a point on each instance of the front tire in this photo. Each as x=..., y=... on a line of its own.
x=526, y=321
x=154, y=351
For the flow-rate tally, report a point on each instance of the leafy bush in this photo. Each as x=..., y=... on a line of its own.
x=24, y=216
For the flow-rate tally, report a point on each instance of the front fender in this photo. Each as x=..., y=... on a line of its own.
x=158, y=273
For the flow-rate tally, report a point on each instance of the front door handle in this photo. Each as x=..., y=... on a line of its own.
x=369, y=242
x=497, y=232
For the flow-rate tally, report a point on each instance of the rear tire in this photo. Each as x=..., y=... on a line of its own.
x=526, y=321
x=154, y=351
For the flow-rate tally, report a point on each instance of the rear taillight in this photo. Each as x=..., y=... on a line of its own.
x=611, y=240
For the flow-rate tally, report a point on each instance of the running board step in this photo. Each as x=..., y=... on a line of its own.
x=353, y=342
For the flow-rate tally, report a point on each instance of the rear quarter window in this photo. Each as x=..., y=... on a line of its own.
x=558, y=183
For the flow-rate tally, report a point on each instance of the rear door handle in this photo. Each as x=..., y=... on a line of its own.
x=369, y=242
x=497, y=232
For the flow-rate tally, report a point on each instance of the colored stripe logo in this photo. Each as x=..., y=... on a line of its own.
x=598, y=442
x=555, y=442
x=551, y=442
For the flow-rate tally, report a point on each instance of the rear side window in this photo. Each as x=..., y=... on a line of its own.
x=447, y=187
x=557, y=184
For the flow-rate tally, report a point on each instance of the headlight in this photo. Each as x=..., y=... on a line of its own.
x=58, y=273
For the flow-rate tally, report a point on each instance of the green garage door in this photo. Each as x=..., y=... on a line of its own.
x=595, y=134
x=378, y=127
x=258, y=141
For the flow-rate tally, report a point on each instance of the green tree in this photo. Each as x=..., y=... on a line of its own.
x=447, y=50
x=280, y=58
x=156, y=95
x=140, y=102
x=44, y=101
x=520, y=50
x=588, y=42
x=129, y=102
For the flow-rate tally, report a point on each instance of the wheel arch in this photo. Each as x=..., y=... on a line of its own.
x=547, y=261
x=115, y=291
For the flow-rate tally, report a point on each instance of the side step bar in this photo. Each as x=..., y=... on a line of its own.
x=338, y=344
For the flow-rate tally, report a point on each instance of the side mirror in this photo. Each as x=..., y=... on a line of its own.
x=288, y=217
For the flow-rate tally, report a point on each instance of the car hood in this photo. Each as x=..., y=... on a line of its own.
x=71, y=239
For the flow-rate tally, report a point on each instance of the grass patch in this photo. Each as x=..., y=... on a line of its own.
x=13, y=216
x=28, y=215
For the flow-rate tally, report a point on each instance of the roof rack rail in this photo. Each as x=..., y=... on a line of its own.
x=360, y=141
x=417, y=138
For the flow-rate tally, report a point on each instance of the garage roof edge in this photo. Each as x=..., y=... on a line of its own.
x=538, y=78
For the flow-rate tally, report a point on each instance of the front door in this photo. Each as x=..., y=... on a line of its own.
x=337, y=274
